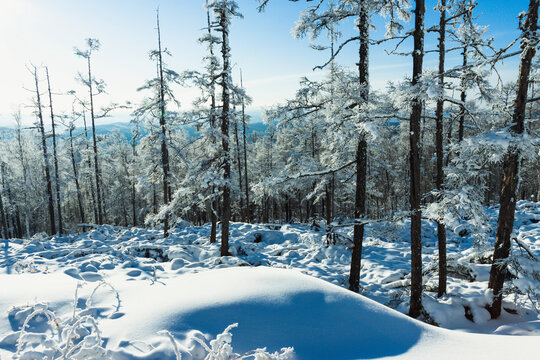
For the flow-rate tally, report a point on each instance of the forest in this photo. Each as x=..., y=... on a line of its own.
x=423, y=195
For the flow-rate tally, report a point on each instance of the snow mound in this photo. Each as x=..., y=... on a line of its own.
x=275, y=308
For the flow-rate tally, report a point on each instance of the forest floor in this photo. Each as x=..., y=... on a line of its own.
x=109, y=292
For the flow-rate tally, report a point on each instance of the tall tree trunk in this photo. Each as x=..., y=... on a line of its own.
x=45, y=156
x=213, y=203
x=164, y=149
x=225, y=75
x=97, y=174
x=55, y=158
x=239, y=166
x=89, y=162
x=247, y=217
x=507, y=209
x=76, y=176
x=414, y=157
x=441, y=228
x=133, y=192
x=463, y=96
x=5, y=233
x=361, y=153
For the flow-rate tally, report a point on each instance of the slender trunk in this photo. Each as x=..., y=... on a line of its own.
x=162, y=124
x=463, y=97
x=212, y=117
x=441, y=228
x=244, y=135
x=414, y=157
x=239, y=166
x=55, y=158
x=97, y=173
x=45, y=157
x=225, y=84
x=133, y=193
x=76, y=176
x=89, y=162
x=5, y=233
x=361, y=153
x=507, y=209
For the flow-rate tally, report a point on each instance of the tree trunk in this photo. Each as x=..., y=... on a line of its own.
x=89, y=162
x=5, y=233
x=133, y=192
x=97, y=173
x=441, y=228
x=414, y=158
x=507, y=209
x=225, y=74
x=239, y=166
x=247, y=217
x=55, y=158
x=45, y=157
x=76, y=176
x=213, y=203
x=164, y=149
x=361, y=153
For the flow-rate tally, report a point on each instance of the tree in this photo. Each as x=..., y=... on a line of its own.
x=439, y=115
x=162, y=124
x=414, y=158
x=508, y=198
x=41, y=128
x=224, y=10
x=155, y=108
x=55, y=157
x=92, y=46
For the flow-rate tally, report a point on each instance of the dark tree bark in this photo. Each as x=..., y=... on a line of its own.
x=441, y=228
x=76, y=175
x=162, y=124
x=213, y=202
x=5, y=232
x=512, y=161
x=361, y=153
x=239, y=166
x=45, y=156
x=414, y=158
x=463, y=98
x=133, y=192
x=97, y=173
x=55, y=158
x=225, y=97
x=89, y=163
x=247, y=217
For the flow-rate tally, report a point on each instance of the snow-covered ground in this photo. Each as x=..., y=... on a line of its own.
x=112, y=290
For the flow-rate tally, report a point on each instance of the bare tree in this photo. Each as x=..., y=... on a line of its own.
x=41, y=128
x=93, y=45
x=55, y=157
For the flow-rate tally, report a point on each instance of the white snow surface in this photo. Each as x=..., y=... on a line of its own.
x=288, y=290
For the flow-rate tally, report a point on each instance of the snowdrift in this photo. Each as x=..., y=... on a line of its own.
x=274, y=308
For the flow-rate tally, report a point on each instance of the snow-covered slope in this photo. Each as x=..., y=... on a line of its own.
x=273, y=307
x=284, y=285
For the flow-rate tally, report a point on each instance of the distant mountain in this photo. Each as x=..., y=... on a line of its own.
x=124, y=128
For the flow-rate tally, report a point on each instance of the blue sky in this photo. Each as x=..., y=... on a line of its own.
x=45, y=32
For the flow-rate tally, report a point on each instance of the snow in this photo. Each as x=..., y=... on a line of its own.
x=283, y=286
